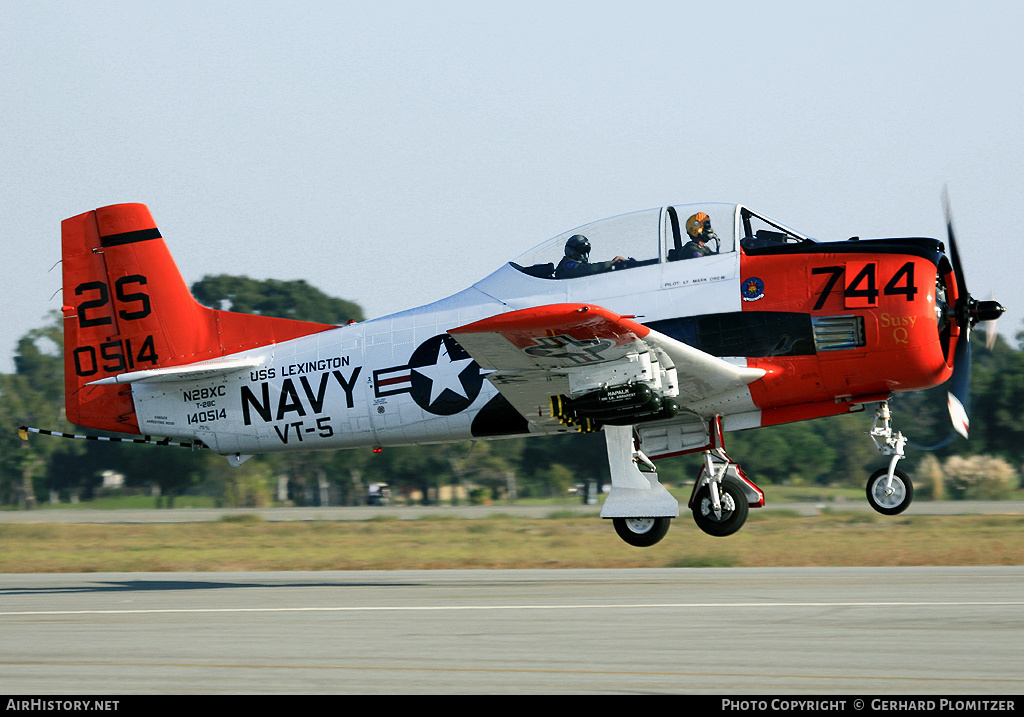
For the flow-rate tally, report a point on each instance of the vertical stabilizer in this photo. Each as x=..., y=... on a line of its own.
x=127, y=308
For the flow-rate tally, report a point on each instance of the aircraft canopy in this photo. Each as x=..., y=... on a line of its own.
x=656, y=235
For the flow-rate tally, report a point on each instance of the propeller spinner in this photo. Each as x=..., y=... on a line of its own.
x=967, y=312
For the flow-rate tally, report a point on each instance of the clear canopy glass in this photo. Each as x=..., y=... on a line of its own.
x=656, y=235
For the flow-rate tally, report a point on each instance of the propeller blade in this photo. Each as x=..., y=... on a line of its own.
x=967, y=312
x=958, y=398
x=990, y=334
x=959, y=394
x=989, y=326
x=963, y=297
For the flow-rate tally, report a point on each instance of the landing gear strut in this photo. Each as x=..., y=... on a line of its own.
x=889, y=490
x=640, y=507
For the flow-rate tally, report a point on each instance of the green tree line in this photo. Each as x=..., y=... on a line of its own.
x=830, y=451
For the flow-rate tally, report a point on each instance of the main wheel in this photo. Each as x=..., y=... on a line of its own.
x=641, y=532
x=893, y=499
x=734, y=510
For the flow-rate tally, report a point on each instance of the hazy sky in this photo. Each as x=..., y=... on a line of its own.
x=393, y=153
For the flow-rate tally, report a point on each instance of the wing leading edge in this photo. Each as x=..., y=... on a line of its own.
x=565, y=363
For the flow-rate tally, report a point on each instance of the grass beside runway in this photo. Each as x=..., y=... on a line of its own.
x=772, y=539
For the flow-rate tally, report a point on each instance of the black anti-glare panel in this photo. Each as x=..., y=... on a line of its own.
x=743, y=333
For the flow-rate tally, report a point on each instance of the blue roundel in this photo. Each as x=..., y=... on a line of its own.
x=752, y=289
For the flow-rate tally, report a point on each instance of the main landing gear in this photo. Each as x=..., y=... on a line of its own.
x=719, y=504
x=639, y=506
x=642, y=510
x=641, y=532
x=889, y=490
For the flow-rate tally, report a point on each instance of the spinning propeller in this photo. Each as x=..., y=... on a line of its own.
x=967, y=312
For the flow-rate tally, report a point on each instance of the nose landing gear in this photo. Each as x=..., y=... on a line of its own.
x=889, y=490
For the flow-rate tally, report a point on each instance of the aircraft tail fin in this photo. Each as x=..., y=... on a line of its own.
x=127, y=308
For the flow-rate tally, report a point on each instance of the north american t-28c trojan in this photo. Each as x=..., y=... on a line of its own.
x=711, y=318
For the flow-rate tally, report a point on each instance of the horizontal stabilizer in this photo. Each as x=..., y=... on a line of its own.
x=189, y=372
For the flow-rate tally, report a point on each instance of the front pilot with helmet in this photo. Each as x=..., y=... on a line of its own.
x=576, y=261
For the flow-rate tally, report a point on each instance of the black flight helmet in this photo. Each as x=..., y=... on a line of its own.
x=578, y=248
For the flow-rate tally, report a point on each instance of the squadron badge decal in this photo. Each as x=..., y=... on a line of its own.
x=753, y=289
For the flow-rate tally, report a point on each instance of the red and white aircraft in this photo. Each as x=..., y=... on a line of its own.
x=662, y=352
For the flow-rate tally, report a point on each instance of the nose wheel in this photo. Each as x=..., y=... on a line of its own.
x=889, y=496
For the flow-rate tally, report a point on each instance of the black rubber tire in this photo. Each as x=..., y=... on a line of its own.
x=731, y=520
x=641, y=532
x=899, y=501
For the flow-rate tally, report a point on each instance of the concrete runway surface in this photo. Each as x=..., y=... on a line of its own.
x=718, y=631
x=335, y=513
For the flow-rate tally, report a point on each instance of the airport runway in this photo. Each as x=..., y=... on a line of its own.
x=469, y=512
x=727, y=632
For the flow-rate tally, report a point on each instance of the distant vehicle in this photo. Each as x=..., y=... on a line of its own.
x=662, y=352
x=378, y=494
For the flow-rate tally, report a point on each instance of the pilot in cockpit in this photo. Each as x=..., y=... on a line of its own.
x=698, y=227
x=576, y=261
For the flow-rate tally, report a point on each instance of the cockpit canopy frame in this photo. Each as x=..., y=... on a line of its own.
x=658, y=235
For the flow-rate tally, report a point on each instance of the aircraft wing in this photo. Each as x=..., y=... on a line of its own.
x=573, y=349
